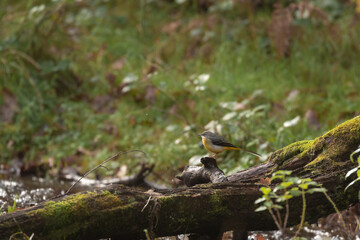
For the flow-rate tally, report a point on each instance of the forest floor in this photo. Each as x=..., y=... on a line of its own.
x=82, y=80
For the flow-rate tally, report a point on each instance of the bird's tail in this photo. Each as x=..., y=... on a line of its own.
x=241, y=149
x=252, y=153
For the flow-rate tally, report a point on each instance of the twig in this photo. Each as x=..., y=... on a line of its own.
x=25, y=57
x=105, y=167
x=287, y=213
x=101, y=165
x=154, y=214
x=336, y=209
x=21, y=232
x=147, y=234
x=279, y=218
x=147, y=203
x=13, y=236
x=302, y=214
x=275, y=220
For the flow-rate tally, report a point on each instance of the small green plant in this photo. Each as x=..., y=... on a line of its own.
x=13, y=207
x=273, y=199
x=356, y=169
x=21, y=235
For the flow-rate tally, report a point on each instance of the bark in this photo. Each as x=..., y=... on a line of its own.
x=120, y=212
x=210, y=172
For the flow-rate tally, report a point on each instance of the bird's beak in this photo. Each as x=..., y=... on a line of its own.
x=200, y=135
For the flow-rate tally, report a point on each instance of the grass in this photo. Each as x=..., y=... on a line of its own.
x=64, y=63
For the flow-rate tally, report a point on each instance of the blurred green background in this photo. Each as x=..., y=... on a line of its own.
x=82, y=80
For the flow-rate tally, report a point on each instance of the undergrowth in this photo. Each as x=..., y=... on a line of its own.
x=82, y=80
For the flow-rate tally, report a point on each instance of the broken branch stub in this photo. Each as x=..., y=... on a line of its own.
x=210, y=172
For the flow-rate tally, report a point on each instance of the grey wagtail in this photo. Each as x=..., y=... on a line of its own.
x=217, y=144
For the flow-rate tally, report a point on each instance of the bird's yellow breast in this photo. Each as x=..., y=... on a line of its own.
x=212, y=147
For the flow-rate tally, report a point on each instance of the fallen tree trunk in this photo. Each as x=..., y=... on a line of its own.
x=120, y=212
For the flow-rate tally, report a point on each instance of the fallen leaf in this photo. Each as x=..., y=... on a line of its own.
x=9, y=107
x=171, y=27
x=228, y=235
x=202, y=78
x=176, y=182
x=259, y=237
x=313, y=119
x=212, y=21
x=132, y=120
x=228, y=105
x=194, y=23
x=51, y=162
x=240, y=106
x=229, y=116
x=206, y=52
x=264, y=181
x=120, y=89
x=71, y=160
x=292, y=95
x=193, y=47
x=122, y=171
x=152, y=69
x=147, y=74
x=150, y=95
x=292, y=122
x=111, y=79
x=277, y=110
x=111, y=129
x=101, y=50
x=10, y=144
x=173, y=109
x=86, y=152
x=190, y=103
x=119, y=63
x=103, y=104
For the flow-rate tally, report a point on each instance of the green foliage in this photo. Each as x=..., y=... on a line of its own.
x=356, y=169
x=287, y=188
x=84, y=80
x=13, y=207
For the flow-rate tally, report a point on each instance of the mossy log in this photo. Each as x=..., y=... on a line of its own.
x=120, y=212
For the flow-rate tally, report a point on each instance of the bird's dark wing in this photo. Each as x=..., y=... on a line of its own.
x=222, y=142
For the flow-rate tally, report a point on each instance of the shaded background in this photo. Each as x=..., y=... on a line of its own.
x=82, y=80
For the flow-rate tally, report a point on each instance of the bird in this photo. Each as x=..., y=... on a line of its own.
x=217, y=144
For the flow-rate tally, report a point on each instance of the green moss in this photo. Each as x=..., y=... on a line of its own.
x=290, y=151
x=190, y=212
x=331, y=148
x=65, y=218
x=131, y=200
x=167, y=200
x=319, y=159
x=325, y=152
x=217, y=206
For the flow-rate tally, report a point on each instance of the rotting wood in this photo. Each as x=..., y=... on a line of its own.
x=119, y=212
